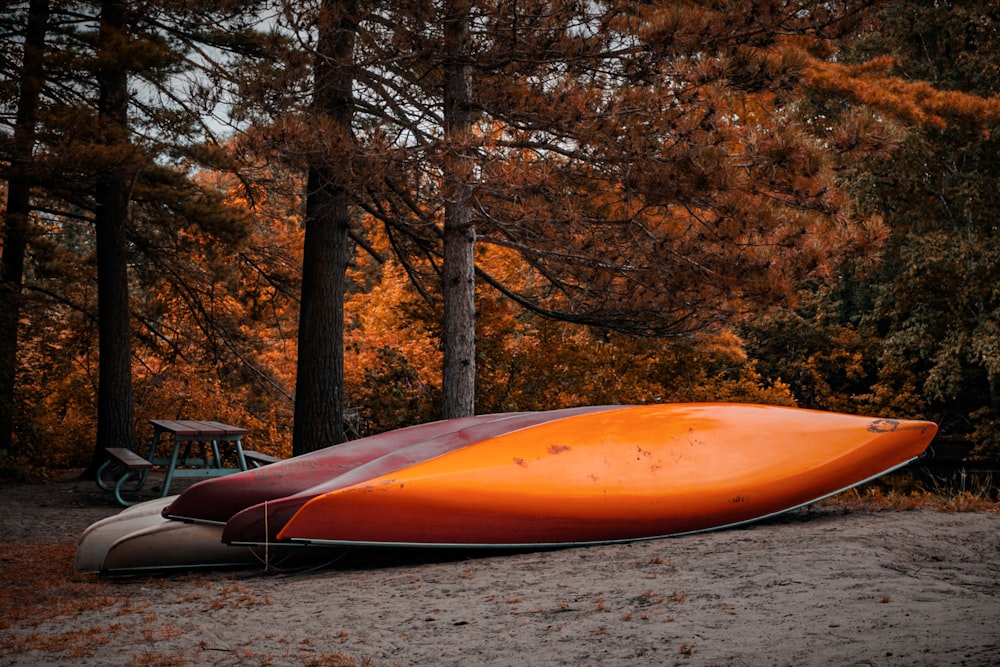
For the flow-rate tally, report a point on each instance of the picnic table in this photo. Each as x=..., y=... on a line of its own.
x=185, y=449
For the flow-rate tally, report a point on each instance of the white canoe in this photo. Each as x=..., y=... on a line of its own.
x=139, y=538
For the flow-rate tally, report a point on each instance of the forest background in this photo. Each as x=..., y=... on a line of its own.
x=322, y=220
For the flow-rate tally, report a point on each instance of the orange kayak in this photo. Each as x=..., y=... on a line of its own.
x=614, y=475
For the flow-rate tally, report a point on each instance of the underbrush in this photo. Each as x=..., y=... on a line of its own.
x=959, y=491
x=20, y=467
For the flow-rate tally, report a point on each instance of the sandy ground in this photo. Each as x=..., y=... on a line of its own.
x=827, y=586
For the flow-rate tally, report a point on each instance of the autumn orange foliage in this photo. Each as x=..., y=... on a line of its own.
x=710, y=195
x=916, y=102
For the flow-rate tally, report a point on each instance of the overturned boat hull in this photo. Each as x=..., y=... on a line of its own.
x=186, y=531
x=140, y=538
x=615, y=475
x=522, y=480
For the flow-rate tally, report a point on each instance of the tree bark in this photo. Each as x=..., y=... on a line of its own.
x=115, y=420
x=17, y=223
x=459, y=289
x=319, y=386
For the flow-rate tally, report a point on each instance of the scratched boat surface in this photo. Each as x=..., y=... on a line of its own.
x=614, y=475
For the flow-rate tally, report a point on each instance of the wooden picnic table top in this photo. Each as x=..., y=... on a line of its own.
x=191, y=429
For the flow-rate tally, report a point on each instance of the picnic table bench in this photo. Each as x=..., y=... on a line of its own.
x=185, y=448
x=258, y=459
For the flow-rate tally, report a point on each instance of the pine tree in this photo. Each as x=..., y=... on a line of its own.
x=17, y=215
x=458, y=230
x=319, y=389
x=115, y=420
x=115, y=156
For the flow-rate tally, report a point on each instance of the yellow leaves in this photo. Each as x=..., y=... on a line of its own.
x=525, y=362
x=392, y=365
x=587, y=367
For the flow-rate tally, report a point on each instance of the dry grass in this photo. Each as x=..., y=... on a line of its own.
x=335, y=659
x=957, y=493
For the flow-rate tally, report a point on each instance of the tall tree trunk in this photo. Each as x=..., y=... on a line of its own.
x=115, y=421
x=16, y=223
x=319, y=386
x=459, y=289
